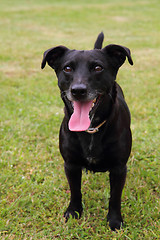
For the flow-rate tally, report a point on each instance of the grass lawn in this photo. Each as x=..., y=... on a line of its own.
x=33, y=189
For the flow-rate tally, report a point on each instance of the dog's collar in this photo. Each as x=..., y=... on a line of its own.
x=96, y=129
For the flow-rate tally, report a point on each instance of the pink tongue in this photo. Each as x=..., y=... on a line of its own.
x=79, y=120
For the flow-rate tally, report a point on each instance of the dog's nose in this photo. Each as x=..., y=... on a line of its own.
x=79, y=90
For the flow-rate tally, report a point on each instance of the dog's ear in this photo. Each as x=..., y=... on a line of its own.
x=52, y=55
x=118, y=54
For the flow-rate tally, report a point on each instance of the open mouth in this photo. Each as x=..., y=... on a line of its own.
x=80, y=119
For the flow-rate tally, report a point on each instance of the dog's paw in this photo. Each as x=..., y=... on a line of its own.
x=115, y=222
x=74, y=213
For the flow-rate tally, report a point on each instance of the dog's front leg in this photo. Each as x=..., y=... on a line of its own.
x=117, y=181
x=74, y=179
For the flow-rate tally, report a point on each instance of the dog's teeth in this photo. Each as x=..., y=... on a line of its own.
x=91, y=106
x=94, y=100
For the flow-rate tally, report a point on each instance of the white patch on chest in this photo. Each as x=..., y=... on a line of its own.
x=91, y=143
x=91, y=159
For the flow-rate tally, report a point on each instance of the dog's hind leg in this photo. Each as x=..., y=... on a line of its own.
x=117, y=181
x=75, y=207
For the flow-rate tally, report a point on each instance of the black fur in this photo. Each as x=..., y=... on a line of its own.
x=84, y=76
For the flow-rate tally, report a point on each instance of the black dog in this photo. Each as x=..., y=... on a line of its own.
x=95, y=133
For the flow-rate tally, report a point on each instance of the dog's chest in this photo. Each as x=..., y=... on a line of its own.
x=92, y=149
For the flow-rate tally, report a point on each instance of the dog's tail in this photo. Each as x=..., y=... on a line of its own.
x=99, y=41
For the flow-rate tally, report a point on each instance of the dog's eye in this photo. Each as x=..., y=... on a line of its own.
x=98, y=68
x=67, y=69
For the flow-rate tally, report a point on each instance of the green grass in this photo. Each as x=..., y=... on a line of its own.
x=33, y=189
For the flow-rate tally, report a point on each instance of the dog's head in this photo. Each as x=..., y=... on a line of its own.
x=84, y=77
